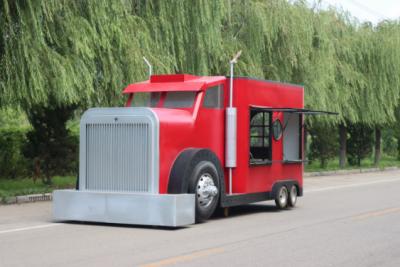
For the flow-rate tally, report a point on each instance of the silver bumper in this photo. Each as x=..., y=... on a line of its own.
x=125, y=208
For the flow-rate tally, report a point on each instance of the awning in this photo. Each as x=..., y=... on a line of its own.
x=164, y=87
x=297, y=111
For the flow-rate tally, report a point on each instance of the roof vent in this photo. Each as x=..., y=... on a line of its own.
x=165, y=78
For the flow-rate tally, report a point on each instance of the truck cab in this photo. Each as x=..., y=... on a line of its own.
x=164, y=158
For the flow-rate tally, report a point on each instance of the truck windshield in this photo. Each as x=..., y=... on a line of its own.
x=179, y=99
x=172, y=99
x=146, y=99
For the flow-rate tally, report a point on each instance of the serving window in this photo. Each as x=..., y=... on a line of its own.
x=292, y=142
x=260, y=136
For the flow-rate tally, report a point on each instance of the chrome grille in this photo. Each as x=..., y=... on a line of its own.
x=117, y=157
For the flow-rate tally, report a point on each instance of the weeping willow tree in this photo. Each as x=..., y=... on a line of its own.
x=63, y=54
x=68, y=52
x=60, y=55
x=85, y=52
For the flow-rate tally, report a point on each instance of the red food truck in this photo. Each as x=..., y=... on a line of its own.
x=185, y=145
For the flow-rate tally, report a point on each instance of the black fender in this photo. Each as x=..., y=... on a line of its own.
x=184, y=165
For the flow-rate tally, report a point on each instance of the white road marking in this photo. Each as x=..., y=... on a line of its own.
x=29, y=228
x=328, y=188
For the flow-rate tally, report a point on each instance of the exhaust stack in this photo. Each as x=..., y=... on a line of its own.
x=148, y=65
x=231, y=127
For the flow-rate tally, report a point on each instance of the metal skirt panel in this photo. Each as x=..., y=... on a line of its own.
x=124, y=208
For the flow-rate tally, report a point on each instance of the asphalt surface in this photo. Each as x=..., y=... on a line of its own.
x=342, y=220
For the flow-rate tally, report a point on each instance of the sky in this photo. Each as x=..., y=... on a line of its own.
x=367, y=10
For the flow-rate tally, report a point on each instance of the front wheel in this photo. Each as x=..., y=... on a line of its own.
x=204, y=183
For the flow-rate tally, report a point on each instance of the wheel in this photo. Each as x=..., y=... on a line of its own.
x=281, y=198
x=204, y=183
x=292, y=196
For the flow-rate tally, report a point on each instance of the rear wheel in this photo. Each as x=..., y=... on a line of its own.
x=281, y=198
x=292, y=196
x=204, y=183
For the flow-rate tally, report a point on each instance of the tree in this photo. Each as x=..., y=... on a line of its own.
x=378, y=150
x=59, y=53
x=359, y=144
x=50, y=147
x=342, y=145
x=324, y=144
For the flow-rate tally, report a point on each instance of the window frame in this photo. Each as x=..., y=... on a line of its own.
x=268, y=160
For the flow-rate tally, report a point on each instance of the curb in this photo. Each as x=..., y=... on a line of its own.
x=28, y=198
x=344, y=172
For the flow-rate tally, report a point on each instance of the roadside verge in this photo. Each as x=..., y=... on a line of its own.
x=49, y=196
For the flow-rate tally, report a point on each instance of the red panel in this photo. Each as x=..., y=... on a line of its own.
x=199, y=127
x=173, y=82
x=182, y=129
x=172, y=78
x=247, y=92
x=163, y=87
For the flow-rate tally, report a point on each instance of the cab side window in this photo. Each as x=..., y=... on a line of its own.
x=260, y=136
x=214, y=97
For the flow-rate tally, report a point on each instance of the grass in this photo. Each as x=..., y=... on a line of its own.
x=26, y=186
x=332, y=165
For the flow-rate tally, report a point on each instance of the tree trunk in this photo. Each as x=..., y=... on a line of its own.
x=342, y=142
x=378, y=135
x=323, y=163
x=398, y=148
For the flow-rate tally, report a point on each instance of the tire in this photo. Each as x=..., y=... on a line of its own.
x=292, y=196
x=281, y=197
x=204, y=183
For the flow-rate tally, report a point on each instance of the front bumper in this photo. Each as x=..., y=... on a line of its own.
x=125, y=208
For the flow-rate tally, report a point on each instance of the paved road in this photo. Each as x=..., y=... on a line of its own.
x=341, y=221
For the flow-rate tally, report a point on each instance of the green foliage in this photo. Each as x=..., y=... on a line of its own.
x=359, y=144
x=324, y=142
x=26, y=186
x=333, y=164
x=84, y=52
x=50, y=147
x=68, y=52
x=60, y=53
x=13, y=117
x=12, y=163
x=389, y=141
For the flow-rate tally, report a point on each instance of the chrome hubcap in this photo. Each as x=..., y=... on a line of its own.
x=206, y=190
x=283, y=196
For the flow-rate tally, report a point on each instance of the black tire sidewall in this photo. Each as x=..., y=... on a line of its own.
x=202, y=167
x=290, y=203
